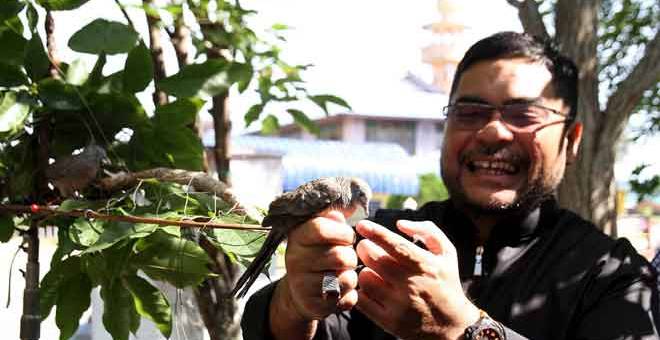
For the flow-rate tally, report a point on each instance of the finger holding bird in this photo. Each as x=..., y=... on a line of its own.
x=322, y=245
x=325, y=239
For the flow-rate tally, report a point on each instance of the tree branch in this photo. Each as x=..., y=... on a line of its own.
x=123, y=11
x=180, y=39
x=51, y=46
x=159, y=97
x=530, y=17
x=90, y=214
x=199, y=180
x=621, y=104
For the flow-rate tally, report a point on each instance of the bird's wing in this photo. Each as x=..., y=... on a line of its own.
x=307, y=200
x=86, y=163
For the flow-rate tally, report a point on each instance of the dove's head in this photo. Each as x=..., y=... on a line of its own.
x=95, y=153
x=360, y=193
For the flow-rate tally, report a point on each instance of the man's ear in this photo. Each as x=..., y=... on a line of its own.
x=573, y=137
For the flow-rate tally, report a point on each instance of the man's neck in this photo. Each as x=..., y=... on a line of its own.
x=485, y=222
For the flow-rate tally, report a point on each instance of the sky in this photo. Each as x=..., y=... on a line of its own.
x=361, y=51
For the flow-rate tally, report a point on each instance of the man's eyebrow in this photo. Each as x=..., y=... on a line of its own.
x=479, y=100
x=471, y=99
x=523, y=100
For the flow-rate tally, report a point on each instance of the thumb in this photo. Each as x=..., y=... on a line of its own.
x=426, y=231
x=333, y=214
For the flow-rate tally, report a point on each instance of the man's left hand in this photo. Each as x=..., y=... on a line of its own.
x=411, y=292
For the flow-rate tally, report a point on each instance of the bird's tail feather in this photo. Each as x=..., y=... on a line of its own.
x=256, y=267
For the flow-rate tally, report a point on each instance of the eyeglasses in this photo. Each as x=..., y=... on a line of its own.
x=519, y=117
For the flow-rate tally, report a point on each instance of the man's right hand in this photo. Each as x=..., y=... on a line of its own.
x=322, y=244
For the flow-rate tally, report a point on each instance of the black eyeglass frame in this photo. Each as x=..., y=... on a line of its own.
x=500, y=109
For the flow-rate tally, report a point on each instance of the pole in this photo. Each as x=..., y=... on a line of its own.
x=31, y=319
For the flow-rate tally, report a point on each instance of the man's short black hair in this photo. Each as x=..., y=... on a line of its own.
x=511, y=45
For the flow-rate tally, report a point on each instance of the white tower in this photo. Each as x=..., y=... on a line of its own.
x=448, y=42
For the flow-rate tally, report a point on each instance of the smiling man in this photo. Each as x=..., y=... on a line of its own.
x=499, y=259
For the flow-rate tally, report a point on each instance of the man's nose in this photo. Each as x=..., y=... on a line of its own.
x=495, y=131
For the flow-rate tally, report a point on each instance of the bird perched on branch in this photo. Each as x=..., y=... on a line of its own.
x=75, y=172
x=295, y=207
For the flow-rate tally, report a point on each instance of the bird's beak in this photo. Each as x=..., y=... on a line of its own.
x=365, y=207
x=106, y=161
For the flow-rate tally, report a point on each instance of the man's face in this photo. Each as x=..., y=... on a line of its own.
x=497, y=169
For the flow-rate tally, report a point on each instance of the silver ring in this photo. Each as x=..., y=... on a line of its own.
x=330, y=286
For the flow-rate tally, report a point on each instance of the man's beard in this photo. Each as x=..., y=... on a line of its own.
x=535, y=193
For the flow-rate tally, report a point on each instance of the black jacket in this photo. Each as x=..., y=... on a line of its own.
x=549, y=275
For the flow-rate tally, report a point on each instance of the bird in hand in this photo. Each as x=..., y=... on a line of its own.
x=73, y=173
x=293, y=208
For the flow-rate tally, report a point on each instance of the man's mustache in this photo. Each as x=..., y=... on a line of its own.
x=497, y=152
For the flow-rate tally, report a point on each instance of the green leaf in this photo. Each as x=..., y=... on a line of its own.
x=32, y=17
x=112, y=83
x=6, y=228
x=431, y=188
x=73, y=204
x=61, y=5
x=115, y=111
x=72, y=301
x=150, y=303
x=77, y=73
x=253, y=114
x=180, y=113
x=270, y=125
x=240, y=73
x=96, y=76
x=301, y=119
x=15, y=24
x=113, y=232
x=37, y=63
x=119, y=314
x=181, y=146
x=13, y=47
x=324, y=99
x=103, y=36
x=11, y=76
x=279, y=27
x=57, y=95
x=162, y=146
x=203, y=80
x=13, y=113
x=64, y=245
x=109, y=114
x=110, y=264
x=140, y=66
x=10, y=8
x=54, y=280
x=240, y=242
x=178, y=261
x=85, y=232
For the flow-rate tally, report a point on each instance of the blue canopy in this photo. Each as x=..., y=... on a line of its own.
x=385, y=166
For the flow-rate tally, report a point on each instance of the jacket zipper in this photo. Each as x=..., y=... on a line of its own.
x=477, y=261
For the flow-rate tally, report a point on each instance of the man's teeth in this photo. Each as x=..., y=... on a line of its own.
x=494, y=167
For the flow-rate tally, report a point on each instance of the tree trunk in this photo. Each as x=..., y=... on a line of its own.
x=588, y=185
x=217, y=306
x=222, y=127
x=156, y=46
